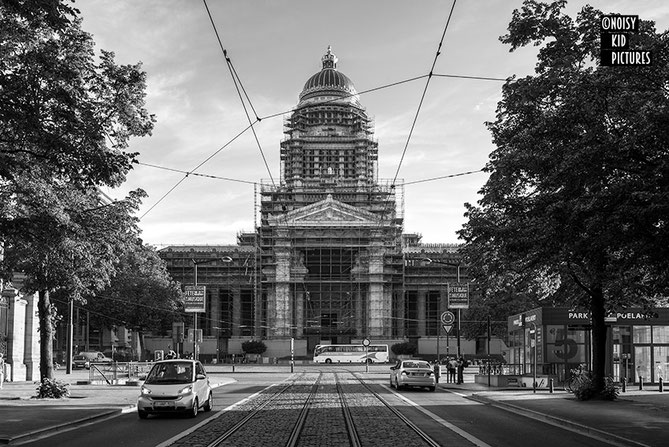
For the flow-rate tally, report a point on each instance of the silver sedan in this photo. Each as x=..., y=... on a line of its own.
x=415, y=373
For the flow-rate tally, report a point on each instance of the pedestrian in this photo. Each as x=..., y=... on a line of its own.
x=461, y=370
x=452, y=368
x=170, y=353
x=2, y=369
x=437, y=371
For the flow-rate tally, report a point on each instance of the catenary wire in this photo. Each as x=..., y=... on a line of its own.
x=238, y=84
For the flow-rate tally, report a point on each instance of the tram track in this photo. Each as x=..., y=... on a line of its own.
x=337, y=409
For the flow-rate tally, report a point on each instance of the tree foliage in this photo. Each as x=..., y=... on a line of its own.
x=254, y=347
x=65, y=125
x=576, y=202
x=141, y=296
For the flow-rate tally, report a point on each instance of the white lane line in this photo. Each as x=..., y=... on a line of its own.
x=471, y=438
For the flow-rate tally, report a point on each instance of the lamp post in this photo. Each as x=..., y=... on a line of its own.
x=453, y=264
x=195, y=264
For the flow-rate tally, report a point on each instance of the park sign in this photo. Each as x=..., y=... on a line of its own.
x=194, y=298
x=458, y=296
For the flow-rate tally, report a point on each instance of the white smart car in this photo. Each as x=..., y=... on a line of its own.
x=175, y=386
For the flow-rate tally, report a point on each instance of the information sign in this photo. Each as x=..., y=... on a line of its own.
x=194, y=298
x=458, y=296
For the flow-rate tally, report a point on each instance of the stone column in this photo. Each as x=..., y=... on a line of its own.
x=215, y=316
x=283, y=309
x=15, y=367
x=236, y=312
x=359, y=327
x=377, y=303
x=421, y=311
x=299, y=314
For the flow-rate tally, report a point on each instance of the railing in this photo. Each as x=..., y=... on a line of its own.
x=494, y=368
x=118, y=372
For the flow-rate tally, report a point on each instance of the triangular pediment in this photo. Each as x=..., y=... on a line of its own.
x=327, y=212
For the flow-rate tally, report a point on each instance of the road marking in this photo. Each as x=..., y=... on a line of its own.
x=471, y=438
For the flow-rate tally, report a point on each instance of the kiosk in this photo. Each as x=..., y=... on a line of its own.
x=550, y=341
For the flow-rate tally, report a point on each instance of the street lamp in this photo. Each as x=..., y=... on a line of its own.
x=453, y=264
x=195, y=264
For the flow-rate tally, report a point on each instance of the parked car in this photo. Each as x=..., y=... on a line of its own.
x=175, y=386
x=412, y=373
x=84, y=359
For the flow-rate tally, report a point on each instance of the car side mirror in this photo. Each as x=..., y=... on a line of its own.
x=200, y=377
x=392, y=368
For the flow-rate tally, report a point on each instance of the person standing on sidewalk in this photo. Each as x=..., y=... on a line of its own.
x=452, y=368
x=461, y=370
x=2, y=369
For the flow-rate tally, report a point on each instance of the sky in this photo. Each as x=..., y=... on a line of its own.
x=275, y=46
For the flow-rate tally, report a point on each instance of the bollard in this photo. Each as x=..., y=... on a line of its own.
x=550, y=386
x=624, y=385
x=640, y=383
x=661, y=388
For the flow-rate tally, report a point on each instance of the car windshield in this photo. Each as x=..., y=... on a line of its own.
x=416, y=365
x=170, y=373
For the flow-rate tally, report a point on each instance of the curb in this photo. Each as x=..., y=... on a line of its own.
x=574, y=426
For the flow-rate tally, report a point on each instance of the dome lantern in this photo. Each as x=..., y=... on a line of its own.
x=329, y=59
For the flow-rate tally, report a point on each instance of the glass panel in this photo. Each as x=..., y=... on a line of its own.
x=661, y=357
x=641, y=334
x=660, y=334
x=622, y=335
x=642, y=359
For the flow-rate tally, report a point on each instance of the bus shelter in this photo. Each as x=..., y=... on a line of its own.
x=553, y=340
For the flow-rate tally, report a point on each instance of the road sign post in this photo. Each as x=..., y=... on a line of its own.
x=195, y=301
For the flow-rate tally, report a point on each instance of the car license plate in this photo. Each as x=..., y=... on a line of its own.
x=164, y=404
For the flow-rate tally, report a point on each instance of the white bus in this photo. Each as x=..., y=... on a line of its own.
x=351, y=354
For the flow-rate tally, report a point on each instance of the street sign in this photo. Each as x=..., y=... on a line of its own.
x=194, y=298
x=366, y=342
x=447, y=318
x=194, y=335
x=447, y=327
x=458, y=296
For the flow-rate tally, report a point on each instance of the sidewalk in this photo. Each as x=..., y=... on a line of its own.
x=25, y=417
x=637, y=418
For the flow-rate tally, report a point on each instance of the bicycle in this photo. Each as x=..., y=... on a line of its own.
x=579, y=377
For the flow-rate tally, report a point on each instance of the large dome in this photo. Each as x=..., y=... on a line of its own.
x=328, y=81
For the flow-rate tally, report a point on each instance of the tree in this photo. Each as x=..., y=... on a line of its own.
x=579, y=179
x=254, y=347
x=65, y=125
x=141, y=296
x=404, y=348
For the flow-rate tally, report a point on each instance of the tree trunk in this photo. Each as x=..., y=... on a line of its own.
x=45, y=311
x=598, y=313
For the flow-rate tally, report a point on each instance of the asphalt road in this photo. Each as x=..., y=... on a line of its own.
x=449, y=418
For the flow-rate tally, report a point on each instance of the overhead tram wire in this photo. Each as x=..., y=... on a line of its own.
x=460, y=174
x=187, y=173
x=422, y=98
x=216, y=177
x=238, y=84
x=258, y=119
x=479, y=78
x=420, y=104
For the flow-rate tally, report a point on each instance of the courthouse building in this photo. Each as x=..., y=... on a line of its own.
x=328, y=261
